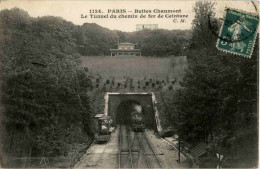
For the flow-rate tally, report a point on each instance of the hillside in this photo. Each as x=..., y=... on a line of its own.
x=136, y=67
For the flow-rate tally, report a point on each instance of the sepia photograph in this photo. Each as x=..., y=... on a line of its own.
x=129, y=84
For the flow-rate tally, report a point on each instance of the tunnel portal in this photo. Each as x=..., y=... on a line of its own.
x=116, y=104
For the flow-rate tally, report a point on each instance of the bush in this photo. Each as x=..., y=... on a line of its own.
x=147, y=83
x=170, y=87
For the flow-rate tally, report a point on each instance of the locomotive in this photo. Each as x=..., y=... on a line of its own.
x=137, y=121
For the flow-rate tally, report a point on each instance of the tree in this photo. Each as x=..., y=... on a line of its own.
x=202, y=35
x=43, y=87
x=218, y=98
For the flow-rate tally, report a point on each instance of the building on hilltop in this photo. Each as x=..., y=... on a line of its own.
x=140, y=27
x=125, y=49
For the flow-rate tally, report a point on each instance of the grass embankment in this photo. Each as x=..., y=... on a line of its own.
x=136, y=67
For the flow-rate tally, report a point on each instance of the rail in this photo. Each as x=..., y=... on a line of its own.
x=129, y=147
x=154, y=153
x=120, y=146
x=142, y=139
x=143, y=153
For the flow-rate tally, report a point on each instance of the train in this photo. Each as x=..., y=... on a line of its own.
x=137, y=120
x=104, y=125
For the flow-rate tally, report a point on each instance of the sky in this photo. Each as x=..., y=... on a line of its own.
x=74, y=10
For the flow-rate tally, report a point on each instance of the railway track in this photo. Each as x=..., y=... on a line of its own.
x=148, y=152
x=125, y=153
x=142, y=156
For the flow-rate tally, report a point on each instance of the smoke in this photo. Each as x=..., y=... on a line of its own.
x=138, y=108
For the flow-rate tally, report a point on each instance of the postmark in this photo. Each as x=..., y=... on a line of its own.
x=238, y=32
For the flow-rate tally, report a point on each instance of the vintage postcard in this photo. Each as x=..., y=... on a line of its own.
x=129, y=84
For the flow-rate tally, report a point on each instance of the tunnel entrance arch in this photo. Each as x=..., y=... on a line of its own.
x=125, y=109
x=146, y=100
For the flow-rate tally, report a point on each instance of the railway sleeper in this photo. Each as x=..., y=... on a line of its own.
x=135, y=150
x=124, y=153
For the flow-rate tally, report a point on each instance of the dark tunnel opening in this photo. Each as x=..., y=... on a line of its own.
x=124, y=110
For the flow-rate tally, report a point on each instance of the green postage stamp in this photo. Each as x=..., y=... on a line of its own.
x=238, y=33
